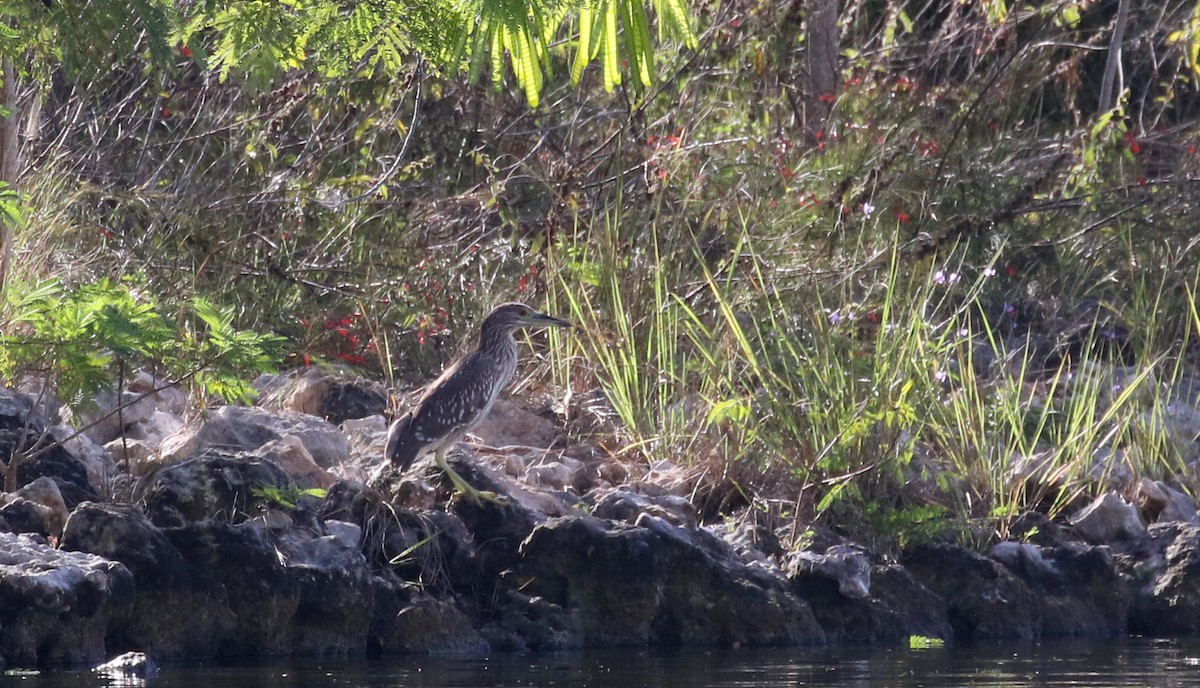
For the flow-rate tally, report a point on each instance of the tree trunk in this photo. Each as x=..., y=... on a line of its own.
x=821, y=53
x=1113, y=66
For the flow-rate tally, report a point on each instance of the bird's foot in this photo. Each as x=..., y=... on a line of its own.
x=481, y=496
x=466, y=489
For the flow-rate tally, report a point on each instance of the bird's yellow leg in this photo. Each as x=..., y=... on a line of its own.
x=463, y=487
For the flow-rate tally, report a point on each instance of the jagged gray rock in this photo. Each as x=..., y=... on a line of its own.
x=1081, y=593
x=240, y=428
x=336, y=398
x=1169, y=602
x=213, y=485
x=614, y=584
x=1107, y=520
x=984, y=600
x=55, y=606
x=168, y=587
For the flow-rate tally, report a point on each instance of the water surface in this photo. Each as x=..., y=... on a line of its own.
x=1094, y=663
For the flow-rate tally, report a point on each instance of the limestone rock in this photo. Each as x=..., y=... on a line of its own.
x=69, y=473
x=653, y=583
x=24, y=516
x=141, y=399
x=411, y=621
x=626, y=505
x=1080, y=590
x=57, y=604
x=1107, y=520
x=984, y=600
x=846, y=566
x=159, y=426
x=239, y=428
x=44, y=493
x=509, y=424
x=131, y=668
x=293, y=458
x=135, y=456
x=302, y=592
x=79, y=467
x=168, y=588
x=213, y=485
x=336, y=398
x=1160, y=502
x=1170, y=602
x=896, y=607
x=367, y=437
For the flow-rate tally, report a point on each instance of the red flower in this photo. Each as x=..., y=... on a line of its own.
x=826, y=98
x=185, y=51
x=902, y=216
x=1134, y=146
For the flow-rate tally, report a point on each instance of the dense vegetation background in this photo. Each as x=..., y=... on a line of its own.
x=910, y=267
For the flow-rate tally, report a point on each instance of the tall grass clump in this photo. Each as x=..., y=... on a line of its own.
x=904, y=401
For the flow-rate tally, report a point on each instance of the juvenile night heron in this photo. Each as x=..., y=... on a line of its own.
x=463, y=394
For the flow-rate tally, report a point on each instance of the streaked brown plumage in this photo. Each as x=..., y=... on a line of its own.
x=464, y=393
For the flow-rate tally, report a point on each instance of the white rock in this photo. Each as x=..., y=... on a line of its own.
x=290, y=454
x=241, y=428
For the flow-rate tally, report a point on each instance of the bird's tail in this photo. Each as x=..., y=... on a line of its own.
x=402, y=447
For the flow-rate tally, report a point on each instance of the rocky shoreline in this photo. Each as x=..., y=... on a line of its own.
x=273, y=530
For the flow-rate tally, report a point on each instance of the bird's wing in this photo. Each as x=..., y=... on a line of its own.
x=455, y=401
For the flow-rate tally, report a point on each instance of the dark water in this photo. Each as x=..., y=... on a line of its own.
x=1093, y=663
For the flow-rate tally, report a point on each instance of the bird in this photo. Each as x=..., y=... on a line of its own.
x=463, y=395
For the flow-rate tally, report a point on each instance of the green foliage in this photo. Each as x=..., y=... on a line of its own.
x=259, y=38
x=88, y=337
x=920, y=642
x=86, y=36
x=12, y=207
x=287, y=496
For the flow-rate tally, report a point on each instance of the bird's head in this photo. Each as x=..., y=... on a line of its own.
x=513, y=316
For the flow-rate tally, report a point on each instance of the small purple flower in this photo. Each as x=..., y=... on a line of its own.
x=868, y=209
x=835, y=317
x=989, y=272
x=1009, y=309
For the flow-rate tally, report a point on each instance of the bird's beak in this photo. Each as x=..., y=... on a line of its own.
x=536, y=319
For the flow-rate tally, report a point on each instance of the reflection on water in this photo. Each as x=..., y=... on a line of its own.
x=1093, y=663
